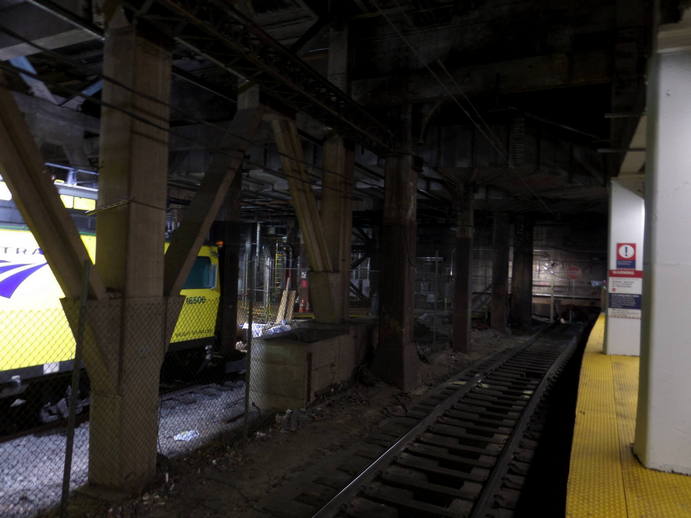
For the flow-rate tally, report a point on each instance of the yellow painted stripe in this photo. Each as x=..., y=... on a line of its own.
x=605, y=479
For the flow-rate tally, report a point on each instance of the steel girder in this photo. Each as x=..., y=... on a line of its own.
x=219, y=32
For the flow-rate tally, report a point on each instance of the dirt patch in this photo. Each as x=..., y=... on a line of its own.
x=232, y=478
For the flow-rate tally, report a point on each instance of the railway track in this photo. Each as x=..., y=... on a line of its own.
x=465, y=451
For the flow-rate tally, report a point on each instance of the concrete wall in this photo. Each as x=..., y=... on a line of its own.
x=626, y=223
x=569, y=266
x=289, y=372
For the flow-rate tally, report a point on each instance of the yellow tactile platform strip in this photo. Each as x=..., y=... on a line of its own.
x=605, y=479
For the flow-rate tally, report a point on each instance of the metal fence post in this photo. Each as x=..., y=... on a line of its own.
x=74, y=391
x=250, y=320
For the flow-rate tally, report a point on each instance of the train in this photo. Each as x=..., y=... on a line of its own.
x=37, y=345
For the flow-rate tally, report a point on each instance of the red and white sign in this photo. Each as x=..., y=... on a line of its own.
x=574, y=272
x=626, y=255
x=638, y=274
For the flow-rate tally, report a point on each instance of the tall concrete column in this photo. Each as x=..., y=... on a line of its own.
x=396, y=359
x=663, y=422
x=336, y=203
x=337, y=215
x=522, y=273
x=500, y=271
x=228, y=230
x=463, y=288
x=625, y=268
x=129, y=259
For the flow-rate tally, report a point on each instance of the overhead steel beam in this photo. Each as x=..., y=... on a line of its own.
x=38, y=87
x=45, y=32
x=95, y=32
x=519, y=75
x=221, y=33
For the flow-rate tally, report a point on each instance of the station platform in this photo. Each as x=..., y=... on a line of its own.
x=605, y=478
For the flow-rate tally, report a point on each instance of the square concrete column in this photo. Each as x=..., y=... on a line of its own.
x=129, y=259
x=663, y=422
x=337, y=217
x=522, y=273
x=228, y=229
x=463, y=260
x=500, y=272
x=625, y=268
x=396, y=359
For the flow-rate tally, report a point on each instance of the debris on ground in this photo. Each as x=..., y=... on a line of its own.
x=233, y=478
x=186, y=436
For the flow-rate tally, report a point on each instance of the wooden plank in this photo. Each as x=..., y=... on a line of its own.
x=187, y=239
x=38, y=201
x=282, y=307
x=291, y=305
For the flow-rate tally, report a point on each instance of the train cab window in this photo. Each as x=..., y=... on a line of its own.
x=202, y=276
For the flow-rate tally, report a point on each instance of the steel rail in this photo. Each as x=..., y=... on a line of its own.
x=348, y=493
x=489, y=488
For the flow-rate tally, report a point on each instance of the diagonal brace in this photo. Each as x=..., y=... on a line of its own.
x=187, y=239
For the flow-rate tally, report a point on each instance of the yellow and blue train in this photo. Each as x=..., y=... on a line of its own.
x=36, y=343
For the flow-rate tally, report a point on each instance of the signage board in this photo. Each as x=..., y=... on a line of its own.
x=626, y=255
x=625, y=287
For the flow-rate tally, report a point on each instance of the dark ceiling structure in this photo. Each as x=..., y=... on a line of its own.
x=533, y=102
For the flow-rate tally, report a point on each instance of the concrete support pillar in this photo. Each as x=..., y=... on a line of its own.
x=522, y=273
x=396, y=358
x=323, y=281
x=625, y=270
x=463, y=286
x=129, y=258
x=663, y=422
x=500, y=271
x=228, y=230
x=336, y=203
x=337, y=216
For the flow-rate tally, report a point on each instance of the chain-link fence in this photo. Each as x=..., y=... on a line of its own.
x=433, y=294
x=36, y=359
x=136, y=404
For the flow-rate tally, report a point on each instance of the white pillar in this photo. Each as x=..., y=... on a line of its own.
x=625, y=265
x=663, y=423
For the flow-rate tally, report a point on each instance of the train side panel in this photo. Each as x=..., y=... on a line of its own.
x=35, y=338
x=197, y=319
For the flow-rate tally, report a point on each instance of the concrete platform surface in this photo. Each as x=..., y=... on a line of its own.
x=606, y=480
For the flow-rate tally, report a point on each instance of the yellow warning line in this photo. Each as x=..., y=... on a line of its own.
x=605, y=479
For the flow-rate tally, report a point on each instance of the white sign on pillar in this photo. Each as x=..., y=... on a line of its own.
x=625, y=272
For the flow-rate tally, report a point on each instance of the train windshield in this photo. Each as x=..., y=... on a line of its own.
x=202, y=276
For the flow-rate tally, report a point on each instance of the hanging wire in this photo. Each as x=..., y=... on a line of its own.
x=187, y=116
x=143, y=120
x=482, y=126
